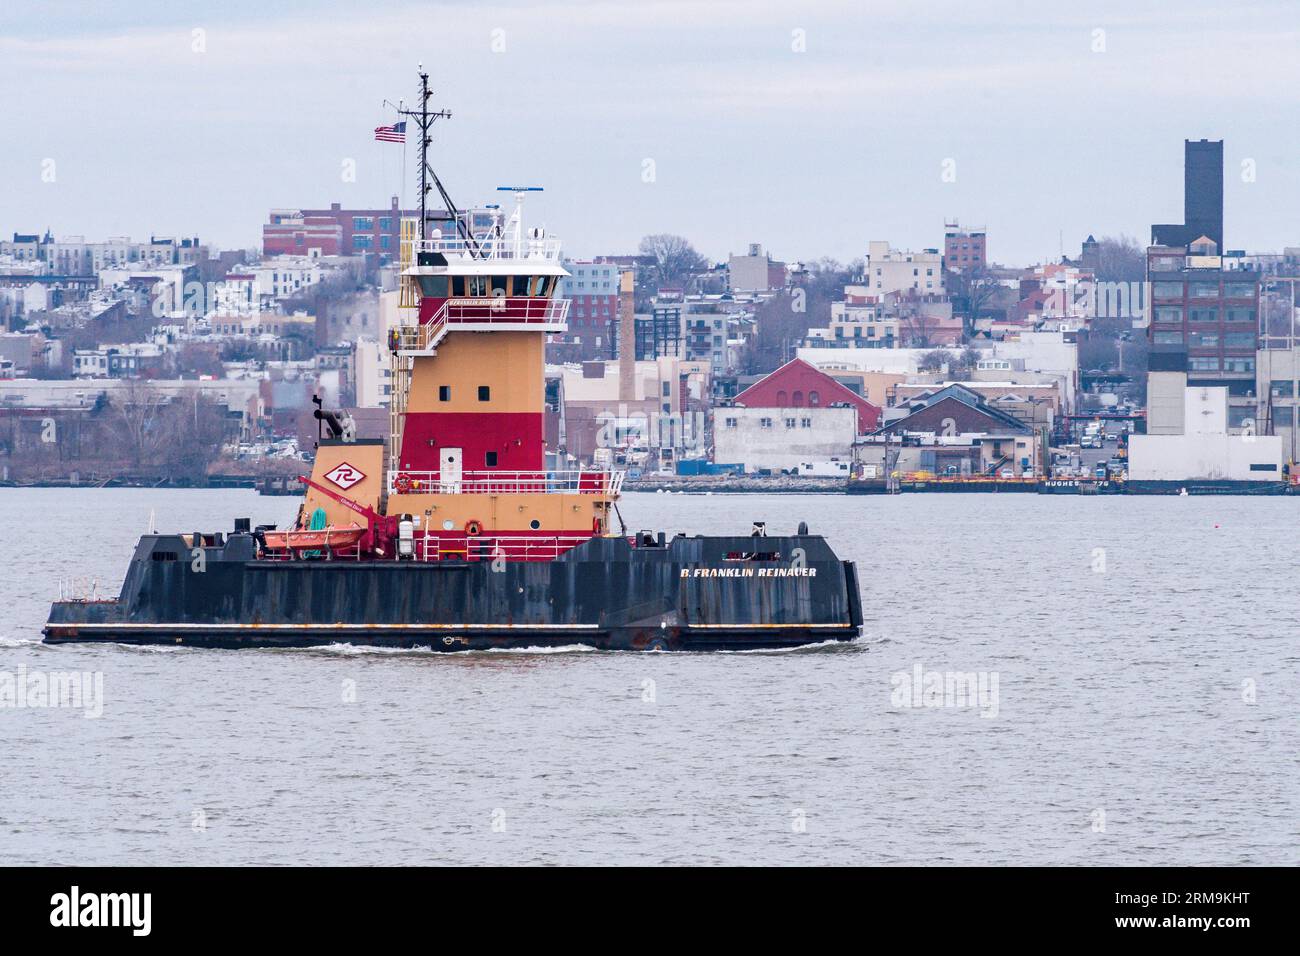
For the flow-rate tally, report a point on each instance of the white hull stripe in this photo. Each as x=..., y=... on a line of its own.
x=406, y=627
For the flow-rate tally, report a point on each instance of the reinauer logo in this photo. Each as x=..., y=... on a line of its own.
x=344, y=475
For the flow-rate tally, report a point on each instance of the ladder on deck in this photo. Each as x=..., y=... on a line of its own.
x=399, y=364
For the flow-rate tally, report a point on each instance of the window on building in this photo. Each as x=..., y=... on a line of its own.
x=814, y=398
x=789, y=423
x=805, y=423
x=1168, y=338
x=444, y=393
x=1239, y=340
x=1203, y=315
x=1167, y=290
x=360, y=241
x=1203, y=290
x=362, y=222
x=386, y=224
x=484, y=393
x=765, y=423
x=731, y=423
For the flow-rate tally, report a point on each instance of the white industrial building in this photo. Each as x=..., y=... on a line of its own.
x=783, y=438
x=1191, y=441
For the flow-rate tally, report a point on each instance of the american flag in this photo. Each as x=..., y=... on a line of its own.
x=391, y=134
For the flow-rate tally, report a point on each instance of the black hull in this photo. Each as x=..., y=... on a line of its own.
x=1207, y=487
x=690, y=594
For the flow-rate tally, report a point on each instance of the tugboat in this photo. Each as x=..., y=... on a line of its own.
x=453, y=534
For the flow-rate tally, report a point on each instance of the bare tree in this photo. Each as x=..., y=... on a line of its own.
x=191, y=431
x=782, y=323
x=979, y=287
x=138, y=408
x=917, y=327
x=674, y=258
x=1120, y=259
x=934, y=360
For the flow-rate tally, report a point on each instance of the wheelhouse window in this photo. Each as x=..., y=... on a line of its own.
x=499, y=285
x=435, y=287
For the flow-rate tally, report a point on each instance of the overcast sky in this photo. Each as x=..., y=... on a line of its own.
x=809, y=127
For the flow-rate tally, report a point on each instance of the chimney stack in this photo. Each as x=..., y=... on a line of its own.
x=626, y=337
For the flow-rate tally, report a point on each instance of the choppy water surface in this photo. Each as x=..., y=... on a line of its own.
x=1145, y=653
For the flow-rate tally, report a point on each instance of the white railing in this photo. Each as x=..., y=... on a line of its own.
x=488, y=310
x=607, y=483
x=490, y=247
x=81, y=590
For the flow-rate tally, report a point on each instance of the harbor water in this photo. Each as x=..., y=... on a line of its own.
x=1131, y=666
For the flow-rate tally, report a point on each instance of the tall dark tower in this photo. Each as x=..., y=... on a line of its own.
x=1203, y=190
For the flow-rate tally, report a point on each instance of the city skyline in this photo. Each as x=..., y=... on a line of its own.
x=811, y=129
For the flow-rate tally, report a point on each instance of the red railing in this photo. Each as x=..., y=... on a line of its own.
x=607, y=483
x=434, y=547
x=544, y=313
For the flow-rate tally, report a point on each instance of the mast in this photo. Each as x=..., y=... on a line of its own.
x=424, y=119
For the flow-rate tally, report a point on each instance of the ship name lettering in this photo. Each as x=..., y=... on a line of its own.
x=748, y=572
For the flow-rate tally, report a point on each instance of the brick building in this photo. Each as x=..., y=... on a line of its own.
x=796, y=384
x=337, y=231
x=592, y=288
x=963, y=249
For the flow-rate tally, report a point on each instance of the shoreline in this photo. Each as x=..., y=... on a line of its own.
x=782, y=485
